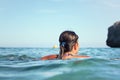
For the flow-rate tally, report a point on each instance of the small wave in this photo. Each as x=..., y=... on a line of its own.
x=12, y=57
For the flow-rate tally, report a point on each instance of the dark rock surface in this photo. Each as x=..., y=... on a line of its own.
x=113, y=37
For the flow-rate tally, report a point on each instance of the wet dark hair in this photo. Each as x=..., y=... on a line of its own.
x=67, y=40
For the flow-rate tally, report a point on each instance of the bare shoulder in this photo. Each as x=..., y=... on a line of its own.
x=49, y=57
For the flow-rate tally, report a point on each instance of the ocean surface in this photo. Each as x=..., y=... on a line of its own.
x=25, y=64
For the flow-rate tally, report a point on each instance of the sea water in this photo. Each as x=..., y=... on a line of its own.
x=25, y=64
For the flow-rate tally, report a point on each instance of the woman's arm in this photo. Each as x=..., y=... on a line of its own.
x=80, y=56
x=49, y=57
x=74, y=56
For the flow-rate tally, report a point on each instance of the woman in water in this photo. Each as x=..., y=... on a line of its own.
x=69, y=47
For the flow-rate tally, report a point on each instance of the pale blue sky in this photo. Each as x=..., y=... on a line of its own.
x=38, y=23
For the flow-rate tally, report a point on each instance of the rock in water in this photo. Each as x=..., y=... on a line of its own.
x=113, y=37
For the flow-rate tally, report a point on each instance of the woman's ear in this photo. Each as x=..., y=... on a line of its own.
x=75, y=46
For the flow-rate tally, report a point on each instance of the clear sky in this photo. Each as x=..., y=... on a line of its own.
x=38, y=23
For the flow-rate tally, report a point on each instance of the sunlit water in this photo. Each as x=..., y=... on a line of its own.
x=25, y=64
